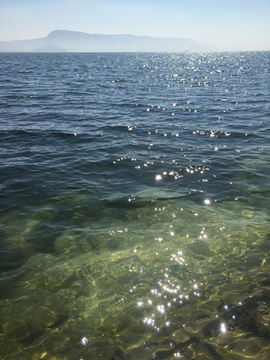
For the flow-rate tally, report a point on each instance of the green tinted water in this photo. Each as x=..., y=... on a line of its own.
x=139, y=282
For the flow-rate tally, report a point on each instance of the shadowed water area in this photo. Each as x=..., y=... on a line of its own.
x=134, y=206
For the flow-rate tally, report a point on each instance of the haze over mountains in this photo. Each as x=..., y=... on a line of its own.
x=75, y=41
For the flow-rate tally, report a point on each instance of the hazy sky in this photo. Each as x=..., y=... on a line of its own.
x=235, y=24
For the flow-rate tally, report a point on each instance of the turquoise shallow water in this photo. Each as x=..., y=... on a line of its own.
x=134, y=212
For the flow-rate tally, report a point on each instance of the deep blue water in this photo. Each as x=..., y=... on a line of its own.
x=134, y=206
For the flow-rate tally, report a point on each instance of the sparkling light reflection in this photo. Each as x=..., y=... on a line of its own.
x=84, y=341
x=223, y=328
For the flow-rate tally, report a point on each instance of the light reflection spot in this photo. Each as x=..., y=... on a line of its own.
x=223, y=328
x=84, y=340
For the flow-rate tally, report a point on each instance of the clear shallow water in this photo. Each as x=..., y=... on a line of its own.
x=134, y=206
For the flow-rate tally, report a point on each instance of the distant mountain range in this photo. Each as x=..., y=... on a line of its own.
x=75, y=41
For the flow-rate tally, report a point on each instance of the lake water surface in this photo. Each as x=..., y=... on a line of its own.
x=134, y=206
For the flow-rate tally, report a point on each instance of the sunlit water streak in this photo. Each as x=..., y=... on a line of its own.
x=134, y=206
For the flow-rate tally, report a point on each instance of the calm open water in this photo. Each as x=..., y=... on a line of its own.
x=134, y=206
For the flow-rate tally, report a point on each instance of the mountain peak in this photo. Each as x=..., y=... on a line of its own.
x=57, y=34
